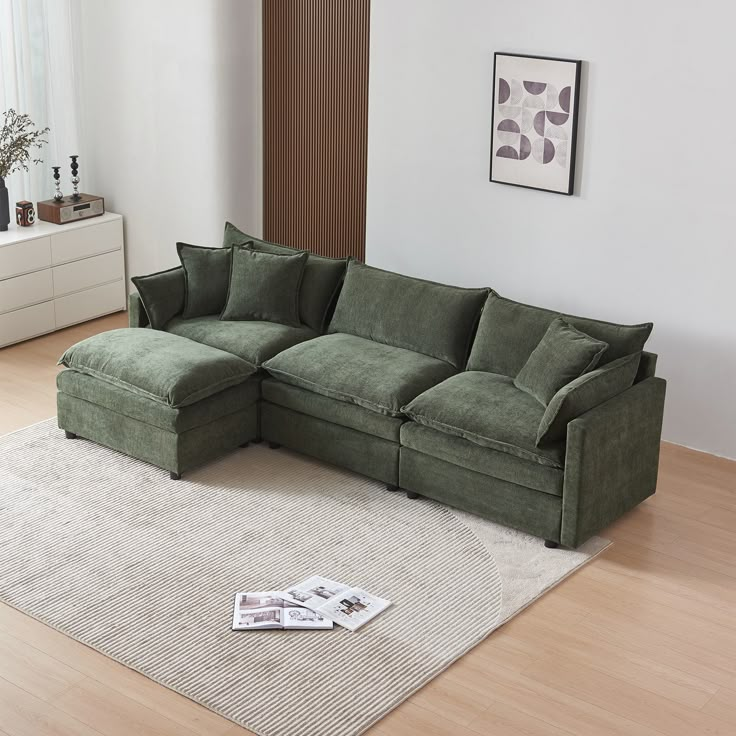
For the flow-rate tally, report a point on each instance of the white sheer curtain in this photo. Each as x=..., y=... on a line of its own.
x=39, y=75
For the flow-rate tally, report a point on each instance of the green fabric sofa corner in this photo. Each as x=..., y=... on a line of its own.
x=412, y=383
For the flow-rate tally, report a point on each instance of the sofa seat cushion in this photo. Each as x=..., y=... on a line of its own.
x=483, y=460
x=157, y=365
x=488, y=410
x=154, y=413
x=375, y=376
x=253, y=341
x=331, y=410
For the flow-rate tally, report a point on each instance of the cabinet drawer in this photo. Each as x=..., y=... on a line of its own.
x=24, y=323
x=90, y=303
x=83, y=242
x=31, y=255
x=88, y=272
x=24, y=290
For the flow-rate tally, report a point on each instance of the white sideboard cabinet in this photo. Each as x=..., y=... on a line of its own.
x=53, y=276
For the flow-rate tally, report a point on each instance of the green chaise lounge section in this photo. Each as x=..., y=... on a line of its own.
x=157, y=397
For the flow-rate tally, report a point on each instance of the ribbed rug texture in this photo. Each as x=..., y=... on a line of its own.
x=113, y=553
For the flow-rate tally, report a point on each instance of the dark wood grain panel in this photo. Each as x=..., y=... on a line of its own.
x=315, y=61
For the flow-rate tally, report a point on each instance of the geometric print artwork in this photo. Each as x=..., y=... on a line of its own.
x=535, y=117
x=534, y=121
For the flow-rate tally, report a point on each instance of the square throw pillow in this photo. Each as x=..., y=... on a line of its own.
x=207, y=275
x=563, y=354
x=162, y=295
x=264, y=286
x=585, y=393
x=321, y=281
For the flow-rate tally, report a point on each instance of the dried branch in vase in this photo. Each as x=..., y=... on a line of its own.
x=18, y=137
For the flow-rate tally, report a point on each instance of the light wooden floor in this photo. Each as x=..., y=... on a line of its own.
x=640, y=642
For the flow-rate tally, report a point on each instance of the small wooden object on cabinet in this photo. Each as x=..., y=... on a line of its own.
x=69, y=210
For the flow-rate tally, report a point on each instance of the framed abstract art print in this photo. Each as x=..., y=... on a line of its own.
x=534, y=121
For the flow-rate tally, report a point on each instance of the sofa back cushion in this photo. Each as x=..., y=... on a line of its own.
x=320, y=282
x=162, y=295
x=423, y=316
x=509, y=331
x=207, y=276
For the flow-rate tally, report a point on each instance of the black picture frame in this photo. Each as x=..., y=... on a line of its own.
x=573, y=139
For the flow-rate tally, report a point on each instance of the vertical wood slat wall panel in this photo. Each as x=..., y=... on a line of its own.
x=315, y=60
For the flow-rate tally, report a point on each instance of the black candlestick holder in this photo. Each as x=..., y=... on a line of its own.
x=58, y=196
x=75, y=178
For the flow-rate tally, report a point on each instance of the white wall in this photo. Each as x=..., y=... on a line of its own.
x=650, y=234
x=172, y=121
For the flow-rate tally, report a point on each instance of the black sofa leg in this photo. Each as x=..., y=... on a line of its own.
x=412, y=494
x=70, y=435
x=552, y=545
x=391, y=487
x=257, y=440
x=245, y=444
x=274, y=445
x=174, y=476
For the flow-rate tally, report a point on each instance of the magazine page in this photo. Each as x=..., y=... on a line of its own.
x=349, y=607
x=261, y=610
x=269, y=610
x=313, y=592
x=353, y=608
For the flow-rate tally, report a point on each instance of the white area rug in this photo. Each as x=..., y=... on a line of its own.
x=142, y=568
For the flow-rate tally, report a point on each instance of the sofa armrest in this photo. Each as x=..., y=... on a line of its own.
x=612, y=460
x=137, y=316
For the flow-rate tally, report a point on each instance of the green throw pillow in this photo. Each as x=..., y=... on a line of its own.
x=162, y=295
x=585, y=393
x=264, y=286
x=563, y=354
x=320, y=283
x=207, y=275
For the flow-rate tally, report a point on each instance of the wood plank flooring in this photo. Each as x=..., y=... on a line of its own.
x=641, y=642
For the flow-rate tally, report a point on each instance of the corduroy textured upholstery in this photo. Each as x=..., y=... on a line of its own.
x=487, y=410
x=162, y=295
x=157, y=366
x=370, y=374
x=264, y=287
x=207, y=275
x=320, y=283
x=253, y=341
x=563, y=354
x=388, y=308
x=388, y=393
x=509, y=331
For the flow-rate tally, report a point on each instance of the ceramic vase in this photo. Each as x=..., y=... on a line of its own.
x=4, y=206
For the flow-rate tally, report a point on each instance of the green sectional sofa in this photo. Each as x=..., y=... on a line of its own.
x=545, y=422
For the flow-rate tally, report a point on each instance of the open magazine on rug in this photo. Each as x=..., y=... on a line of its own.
x=269, y=610
x=350, y=607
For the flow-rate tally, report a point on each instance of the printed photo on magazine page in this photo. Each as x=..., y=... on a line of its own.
x=313, y=591
x=353, y=608
x=269, y=610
